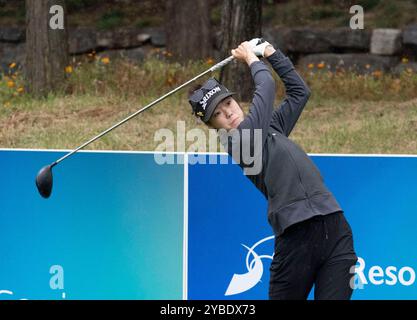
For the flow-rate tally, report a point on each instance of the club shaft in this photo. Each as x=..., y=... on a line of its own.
x=214, y=68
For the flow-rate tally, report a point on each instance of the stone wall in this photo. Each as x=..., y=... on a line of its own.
x=132, y=43
x=364, y=51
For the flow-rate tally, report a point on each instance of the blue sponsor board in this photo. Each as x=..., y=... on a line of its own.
x=112, y=228
x=225, y=212
x=231, y=243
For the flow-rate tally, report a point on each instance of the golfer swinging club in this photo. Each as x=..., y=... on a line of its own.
x=313, y=240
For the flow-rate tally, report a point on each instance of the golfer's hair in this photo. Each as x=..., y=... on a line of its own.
x=194, y=88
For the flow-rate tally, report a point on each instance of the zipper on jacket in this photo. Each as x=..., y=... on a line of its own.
x=299, y=178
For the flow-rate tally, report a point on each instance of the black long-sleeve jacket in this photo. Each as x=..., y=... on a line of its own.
x=288, y=178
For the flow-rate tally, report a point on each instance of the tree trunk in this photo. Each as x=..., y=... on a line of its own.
x=46, y=49
x=241, y=20
x=187, y=26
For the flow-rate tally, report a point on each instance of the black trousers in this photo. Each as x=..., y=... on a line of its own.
x=319, y=252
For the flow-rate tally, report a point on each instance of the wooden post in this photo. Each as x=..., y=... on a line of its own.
x=241, y=20
x=46, y=48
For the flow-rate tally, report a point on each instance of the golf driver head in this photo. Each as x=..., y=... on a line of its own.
x=44, y=181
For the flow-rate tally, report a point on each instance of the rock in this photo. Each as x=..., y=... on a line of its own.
x=361, y=63
x=10, y=53
x=386, y=41
x=137, y=54
x=105, y=39
x=130, y=38
x=410, y=41
x=143, y=37
x=12, y=34
x=318, y=40
x=122, y=38
x=348, y=40
x=82, y=40
x=405, y=67
x=306, y=40
x=278, y=37
x=157, y=36
x=410, y=35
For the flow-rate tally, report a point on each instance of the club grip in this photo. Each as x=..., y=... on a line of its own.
x=221, y=64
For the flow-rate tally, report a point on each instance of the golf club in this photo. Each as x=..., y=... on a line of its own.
x=44, y=179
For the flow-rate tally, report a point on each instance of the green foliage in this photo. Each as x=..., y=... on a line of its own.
x=111, y=20
x=320, y=13
x=15, y=11
x=390, y=13
x=215, y=15
x=268, y=14
x=148, y=21
x=5, y=13
x=75, y=5
x=368, y=4
x=11, y=86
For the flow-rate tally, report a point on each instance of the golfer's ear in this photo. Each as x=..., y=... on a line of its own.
x=208, y=124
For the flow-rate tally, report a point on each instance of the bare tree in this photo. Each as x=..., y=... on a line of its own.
x=241, y=20
x=187, y=27
x=46, y=48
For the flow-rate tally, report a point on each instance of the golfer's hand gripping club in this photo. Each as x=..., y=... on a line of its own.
x=258, y=46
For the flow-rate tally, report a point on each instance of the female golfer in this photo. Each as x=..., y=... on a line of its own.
x=313, y=240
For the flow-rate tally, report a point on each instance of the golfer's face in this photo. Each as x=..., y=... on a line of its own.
x=227, y=115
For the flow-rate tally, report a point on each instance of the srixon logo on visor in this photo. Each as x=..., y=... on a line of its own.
x=207, y=96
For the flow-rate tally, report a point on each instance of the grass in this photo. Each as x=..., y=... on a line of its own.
x=346, y=113
x=360, y=127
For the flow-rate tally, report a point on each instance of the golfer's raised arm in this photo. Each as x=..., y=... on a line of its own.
x=286, y=115
x=260, y=112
